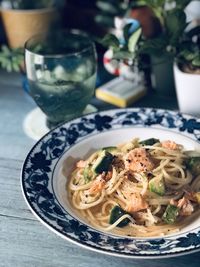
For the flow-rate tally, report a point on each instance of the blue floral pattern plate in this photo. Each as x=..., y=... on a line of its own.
x=43, y=182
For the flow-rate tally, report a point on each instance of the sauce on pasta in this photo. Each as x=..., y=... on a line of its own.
x=139, y=188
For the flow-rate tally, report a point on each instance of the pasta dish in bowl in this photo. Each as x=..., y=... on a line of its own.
x=141, y=188
x=121, y=182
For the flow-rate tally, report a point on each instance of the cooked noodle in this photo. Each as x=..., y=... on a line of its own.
x=126, y=185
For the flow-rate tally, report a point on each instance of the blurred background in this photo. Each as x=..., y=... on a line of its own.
x=170, y=32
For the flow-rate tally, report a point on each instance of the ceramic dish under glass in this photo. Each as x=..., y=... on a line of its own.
x=44, y=182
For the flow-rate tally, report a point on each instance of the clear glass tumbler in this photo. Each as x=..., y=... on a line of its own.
x=61, y=72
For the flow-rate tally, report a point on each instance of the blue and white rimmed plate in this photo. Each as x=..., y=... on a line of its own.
x=44, y=177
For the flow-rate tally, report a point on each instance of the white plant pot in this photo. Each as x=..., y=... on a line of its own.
x=187, y=91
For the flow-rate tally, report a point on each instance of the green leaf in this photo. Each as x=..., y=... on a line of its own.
x=4, y=63
x=123, y=55
x=133, y=40
x=9, y=67
x=152, y=3
x=175, y=21
x=110, y=40
x=5, y=50
x=15, y=66
x=104, y=20
x=187, y=55
x=11, y=59
x=182, y=3
x=155, y=46
x=196, y=61
x=126, y=31
x=2, y=58
x=107, y=7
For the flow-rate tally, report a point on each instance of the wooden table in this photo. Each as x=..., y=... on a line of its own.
x=24, y=241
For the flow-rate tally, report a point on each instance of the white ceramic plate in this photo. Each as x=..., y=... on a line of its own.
x=43, y=182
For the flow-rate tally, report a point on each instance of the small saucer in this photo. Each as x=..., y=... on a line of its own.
x=34, y=124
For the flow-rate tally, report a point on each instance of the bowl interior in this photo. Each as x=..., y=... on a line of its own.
x=87, y=146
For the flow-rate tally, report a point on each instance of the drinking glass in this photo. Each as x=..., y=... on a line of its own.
x=61, y=73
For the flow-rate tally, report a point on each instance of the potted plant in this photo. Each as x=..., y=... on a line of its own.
x=162, y=46
x=187, y=73
x=22, y=19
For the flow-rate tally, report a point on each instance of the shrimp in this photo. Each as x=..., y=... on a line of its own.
x=136, y=203
x=81, y=164
x=97, y=185
x=138, y=160
x=186, y=206
x=170, y=145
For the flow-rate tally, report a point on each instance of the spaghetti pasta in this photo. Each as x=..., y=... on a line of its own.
x=139, y=188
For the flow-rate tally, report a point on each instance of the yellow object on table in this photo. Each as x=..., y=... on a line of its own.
x=120, y=92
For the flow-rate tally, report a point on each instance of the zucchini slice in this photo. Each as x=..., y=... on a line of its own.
x=157, y=185
x=116, y=213
x=193, y=164
x=88, y=173
x=111, y=149
x=103, y=162
x=170, y=214
x=149, y=142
